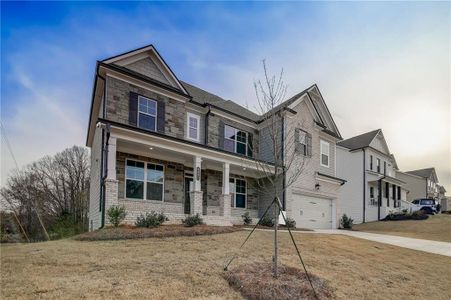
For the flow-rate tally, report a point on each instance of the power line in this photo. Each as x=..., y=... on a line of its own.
x=5, y=138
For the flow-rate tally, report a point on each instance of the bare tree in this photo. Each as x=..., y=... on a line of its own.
x=49, y=190
x=281, y=162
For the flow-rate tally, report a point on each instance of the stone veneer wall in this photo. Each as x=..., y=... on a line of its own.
x=117, y=103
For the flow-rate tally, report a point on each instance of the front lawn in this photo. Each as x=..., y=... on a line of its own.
x=435, y=228
x=192, y=267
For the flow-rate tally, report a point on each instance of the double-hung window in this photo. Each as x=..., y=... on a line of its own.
x=192, y=127
x=371, y=162
x=378, y=165
x=385, y=168
x=147, y=113
x=235, y=140
x=144, y=180
x=325, y=153
x=239, y=195
x=304, y=142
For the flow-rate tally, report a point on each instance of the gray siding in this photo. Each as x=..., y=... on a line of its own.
x=415, y=185
x=148, y=68
x=267, y=136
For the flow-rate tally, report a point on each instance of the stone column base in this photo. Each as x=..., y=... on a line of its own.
x=196, y=203
x=225, y=205
x=111, y=195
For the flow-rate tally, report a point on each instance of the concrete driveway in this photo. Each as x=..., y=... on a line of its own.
x=435, y=247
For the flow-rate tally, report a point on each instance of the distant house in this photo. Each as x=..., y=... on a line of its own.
x=162, y=144
x=421, y=183
x=373, y=188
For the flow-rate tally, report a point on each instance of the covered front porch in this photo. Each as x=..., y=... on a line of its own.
x=385, y=196
x=147, y=172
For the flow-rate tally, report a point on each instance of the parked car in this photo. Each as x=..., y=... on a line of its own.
x=426, y=205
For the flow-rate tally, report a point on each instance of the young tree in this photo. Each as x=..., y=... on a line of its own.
x=281, y=162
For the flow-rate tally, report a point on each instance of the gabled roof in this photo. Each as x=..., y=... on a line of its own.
x=150, y=50
x=442, y=189
x=359, y=141
x=425, y=173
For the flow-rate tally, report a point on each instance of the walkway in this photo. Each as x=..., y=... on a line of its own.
x=435, y=247
x=442, y=248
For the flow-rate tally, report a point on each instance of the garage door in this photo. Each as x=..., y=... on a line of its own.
x=313, y=213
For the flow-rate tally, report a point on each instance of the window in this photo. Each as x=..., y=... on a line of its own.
x=371, y=162
x=304, y=142
x=238, y=188
x=147, y=113
x=192, y=127
x=235, y=140
x=387, y=190
x=385, y=167
x=324, y=150
x=137, y=173
x=378, y=165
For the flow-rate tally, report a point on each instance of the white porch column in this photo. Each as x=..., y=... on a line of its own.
x=111, y=163
x=224, y=200
x=196, y=193
x=111, y=183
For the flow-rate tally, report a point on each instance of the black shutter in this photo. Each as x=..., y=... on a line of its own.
x=221, y=135
x=250, y=145
x=133, y=109
x=297, y=145
x=161, y=109
x=309, y=144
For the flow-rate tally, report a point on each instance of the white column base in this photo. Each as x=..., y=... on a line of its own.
x=196, y=202
x=225, y=206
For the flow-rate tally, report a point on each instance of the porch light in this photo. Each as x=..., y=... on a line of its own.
x=317, y=186
x=150, y=148
x=244, y=169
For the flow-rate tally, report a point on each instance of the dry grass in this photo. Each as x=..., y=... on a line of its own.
x=128, y=232
x=435, y=228
x=256, y=282
x=192, y=267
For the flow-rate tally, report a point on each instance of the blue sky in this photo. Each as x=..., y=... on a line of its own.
x=378, y=65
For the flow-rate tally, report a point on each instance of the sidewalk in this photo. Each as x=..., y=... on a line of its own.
x=442, y=248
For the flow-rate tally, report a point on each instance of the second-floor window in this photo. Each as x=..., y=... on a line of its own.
x=303, y=142
x=378, y=165
x=147, y=113
x=193, y=124
x=235, y=140
x=385, y=168
x=371, y=162
x=325, y=153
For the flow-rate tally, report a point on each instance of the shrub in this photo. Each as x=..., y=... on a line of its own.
x=266, y=221
x=346, y=222
x=151, y=219
x=116, y=214
x=417, y=215
x=290, y=223
x=247, y=218
x=193, y=221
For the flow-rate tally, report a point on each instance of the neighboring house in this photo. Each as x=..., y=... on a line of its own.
x=160, y=144
x=421, y=183
x=373, y=188
x=445, y=202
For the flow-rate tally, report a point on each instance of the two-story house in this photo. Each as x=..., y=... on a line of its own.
x=373, y=188
x=161, y=144
x=421, y=183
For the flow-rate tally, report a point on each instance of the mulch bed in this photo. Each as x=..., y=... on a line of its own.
x=129, y=232
x=255, y=281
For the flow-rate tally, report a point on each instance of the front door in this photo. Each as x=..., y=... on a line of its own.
x=188, y=186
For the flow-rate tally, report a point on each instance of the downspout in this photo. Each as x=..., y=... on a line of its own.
x=206, y=125
x=364, y=185
x=103, y=157
x=283, y=158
